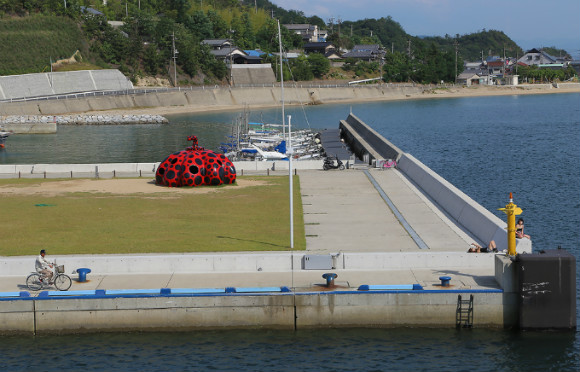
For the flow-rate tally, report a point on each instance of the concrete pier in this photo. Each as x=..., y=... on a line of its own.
x=351, y=230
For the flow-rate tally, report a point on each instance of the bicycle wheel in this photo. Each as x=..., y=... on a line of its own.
x=33, y=282
x=62, y=282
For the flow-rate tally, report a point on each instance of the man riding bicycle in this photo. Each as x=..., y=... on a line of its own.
x=43, y=267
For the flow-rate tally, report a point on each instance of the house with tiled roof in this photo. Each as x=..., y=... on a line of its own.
x=537, y=57
x=217, y=44
x=365, y=52
x=308, y=32
x=318, y=47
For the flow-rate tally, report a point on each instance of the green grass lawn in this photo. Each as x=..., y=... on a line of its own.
x=232, y=219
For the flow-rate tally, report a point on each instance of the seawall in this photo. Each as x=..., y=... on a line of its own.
x=196, y=99
x=270, y=308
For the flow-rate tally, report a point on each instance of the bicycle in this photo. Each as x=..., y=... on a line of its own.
x=62, y=282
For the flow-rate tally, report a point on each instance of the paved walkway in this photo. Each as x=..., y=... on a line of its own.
x=301, y=280
x=344, y=212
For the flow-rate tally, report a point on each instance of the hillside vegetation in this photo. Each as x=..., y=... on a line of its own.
x=28, y=44
x=153, y=30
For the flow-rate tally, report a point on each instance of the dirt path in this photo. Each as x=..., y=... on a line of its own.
x=112, y=186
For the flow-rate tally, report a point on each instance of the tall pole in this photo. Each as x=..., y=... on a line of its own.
x=174, y=59
x=291, y=186
x=281, y=80
x=456, y=45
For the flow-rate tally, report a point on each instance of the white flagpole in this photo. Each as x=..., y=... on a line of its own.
x=289, y=152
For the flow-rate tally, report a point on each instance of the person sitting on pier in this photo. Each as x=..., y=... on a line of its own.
x=520, y=230
x=476, y=248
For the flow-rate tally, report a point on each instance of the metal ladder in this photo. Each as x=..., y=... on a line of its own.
x=464, y=312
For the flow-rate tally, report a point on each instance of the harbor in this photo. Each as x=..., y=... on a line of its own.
x=409, y=272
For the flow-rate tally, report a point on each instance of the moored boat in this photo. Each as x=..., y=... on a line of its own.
x=3, y=136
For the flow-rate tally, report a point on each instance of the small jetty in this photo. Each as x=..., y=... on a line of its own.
x=33, y=124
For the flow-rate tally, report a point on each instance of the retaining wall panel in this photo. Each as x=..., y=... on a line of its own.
x=394, y=309
x=16, y=316
x=157, y=313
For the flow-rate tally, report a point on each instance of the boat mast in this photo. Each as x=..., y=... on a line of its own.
x=281, y=81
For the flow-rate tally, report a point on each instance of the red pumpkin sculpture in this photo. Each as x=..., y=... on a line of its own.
x=195, y=166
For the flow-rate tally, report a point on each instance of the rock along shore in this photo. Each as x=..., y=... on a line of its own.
x=28, y=124
x=85, y=119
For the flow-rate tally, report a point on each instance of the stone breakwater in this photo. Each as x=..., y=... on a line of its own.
x=35, y=124
x=84, y=119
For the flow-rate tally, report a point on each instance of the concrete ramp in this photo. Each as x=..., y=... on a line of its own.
x=253, y=74
x=46, y=84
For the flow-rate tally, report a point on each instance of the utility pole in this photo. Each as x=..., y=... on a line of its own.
x=392, y=47
x=51, y=72
x=256, y=6
x=503, y=64
x=409, y=48
x=339, y=43
x=175, y=52
x=456, y=48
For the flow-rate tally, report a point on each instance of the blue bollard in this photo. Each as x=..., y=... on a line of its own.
x=329, y=278
x=445, y=281
x=83, y=274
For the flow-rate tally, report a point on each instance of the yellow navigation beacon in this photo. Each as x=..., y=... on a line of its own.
x=512, y=211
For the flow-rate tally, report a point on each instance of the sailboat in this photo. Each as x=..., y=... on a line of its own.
x=259, y=141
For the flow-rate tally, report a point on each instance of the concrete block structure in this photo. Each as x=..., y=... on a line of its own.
x=54, y=83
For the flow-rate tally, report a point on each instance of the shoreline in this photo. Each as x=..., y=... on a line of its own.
x=432, y=93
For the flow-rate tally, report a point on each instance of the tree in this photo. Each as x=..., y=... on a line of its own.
x=396, y=67
x=152, y=60
x=319, y=64
x=200, y=25
x=301, y=69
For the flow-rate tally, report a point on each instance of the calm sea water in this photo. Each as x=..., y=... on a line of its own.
x=487, y=147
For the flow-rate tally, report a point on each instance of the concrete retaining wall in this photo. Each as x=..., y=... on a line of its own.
x=271, y=310
x=253, y=74
x=463, y=210
x=208, y=98
x=163, y=313
x=49, y=83
x=429, y=308
x=363, y=139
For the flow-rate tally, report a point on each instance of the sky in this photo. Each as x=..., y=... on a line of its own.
x=530, y=23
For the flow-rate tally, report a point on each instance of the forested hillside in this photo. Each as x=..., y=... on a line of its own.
x=34, y=32
x=29, y=44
